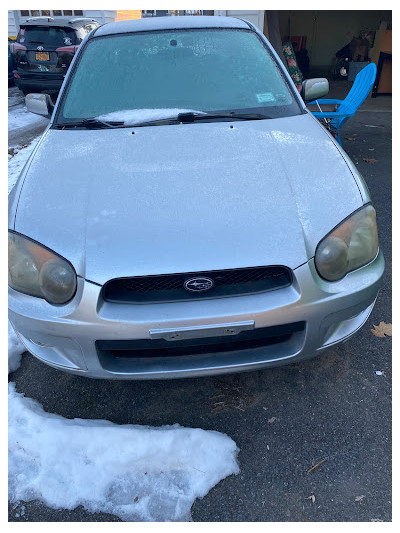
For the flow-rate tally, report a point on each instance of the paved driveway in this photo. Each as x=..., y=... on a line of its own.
x=334, y=409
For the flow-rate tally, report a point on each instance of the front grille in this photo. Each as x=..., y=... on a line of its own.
x=155, y=348
x=170, y=287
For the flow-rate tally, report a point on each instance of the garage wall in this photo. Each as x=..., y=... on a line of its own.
x=100, y=15
x=256, y=17
x=328, y=31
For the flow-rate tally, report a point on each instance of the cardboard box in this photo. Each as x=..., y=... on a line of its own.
x=359, y=49
x=386, y=42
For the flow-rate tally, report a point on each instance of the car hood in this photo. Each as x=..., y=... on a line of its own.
x=186, y=198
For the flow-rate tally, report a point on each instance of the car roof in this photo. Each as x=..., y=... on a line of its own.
x=70, y=22
x=170, y=23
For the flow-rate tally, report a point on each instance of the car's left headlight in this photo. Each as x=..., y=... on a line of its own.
x=351, y=245
x=35, y=270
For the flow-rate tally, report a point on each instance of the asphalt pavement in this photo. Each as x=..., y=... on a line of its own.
x=333, y=410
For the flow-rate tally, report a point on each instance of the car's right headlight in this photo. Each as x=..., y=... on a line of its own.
x=351, y=245
x=35, y=270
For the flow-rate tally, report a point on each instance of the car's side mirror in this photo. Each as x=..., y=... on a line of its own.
x=314, y=88
x=39, y=103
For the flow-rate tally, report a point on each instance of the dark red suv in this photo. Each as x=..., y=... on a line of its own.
x=44, y=50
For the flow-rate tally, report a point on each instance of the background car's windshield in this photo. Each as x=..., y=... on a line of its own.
x=205, y=70
x=46, y=35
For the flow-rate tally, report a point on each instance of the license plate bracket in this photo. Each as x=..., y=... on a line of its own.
x=198, y=332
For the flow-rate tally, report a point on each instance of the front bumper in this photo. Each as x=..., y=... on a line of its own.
x=68, y=337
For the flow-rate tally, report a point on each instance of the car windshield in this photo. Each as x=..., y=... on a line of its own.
x=152, y=73
x=46, y=35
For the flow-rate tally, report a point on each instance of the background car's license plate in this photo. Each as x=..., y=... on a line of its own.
x=42, y=56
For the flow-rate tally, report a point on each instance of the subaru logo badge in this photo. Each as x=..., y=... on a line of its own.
x=198, y=284
x=40, y=48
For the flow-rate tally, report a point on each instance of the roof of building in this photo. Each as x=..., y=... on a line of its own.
x=170, y=23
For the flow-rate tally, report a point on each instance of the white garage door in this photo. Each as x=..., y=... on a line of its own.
x=255, y=17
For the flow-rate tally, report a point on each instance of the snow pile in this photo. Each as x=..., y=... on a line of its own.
x=130, y=117
x=17, y=161
x=15, y=350
x=21, y=117
x=15, y=97
x=138, y=473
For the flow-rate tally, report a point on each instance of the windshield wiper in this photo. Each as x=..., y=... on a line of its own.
x=183, y=118
x=102, y=123
x=187, y=118
x=192, y=117
x=90, y=123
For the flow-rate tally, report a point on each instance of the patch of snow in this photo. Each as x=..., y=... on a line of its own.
x=17, y=160
x=15, y=350
x=15, y=97
x=130, y=117
x=138, y=473
x=21, y=117
x=36, y=96
x=15, y=100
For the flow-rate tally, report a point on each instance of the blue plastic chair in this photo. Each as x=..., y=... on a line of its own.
x=347, y=108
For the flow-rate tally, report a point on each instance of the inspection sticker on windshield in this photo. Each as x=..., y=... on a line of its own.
x=265, y=97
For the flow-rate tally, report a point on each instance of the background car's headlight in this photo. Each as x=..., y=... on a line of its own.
x=352, y=244
x=35, y=270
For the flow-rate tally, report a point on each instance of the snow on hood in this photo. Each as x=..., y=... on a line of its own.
x=186, y=198
x=17, y=160
x=137, y=473
x=130, y=117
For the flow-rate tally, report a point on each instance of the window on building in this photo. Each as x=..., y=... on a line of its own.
x=57, y=13
x=24, y=13
x=35, y=13
x=78, y=13
x=46, y=13
x=68, y=13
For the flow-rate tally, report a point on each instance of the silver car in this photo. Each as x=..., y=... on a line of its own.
x=184, y=214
